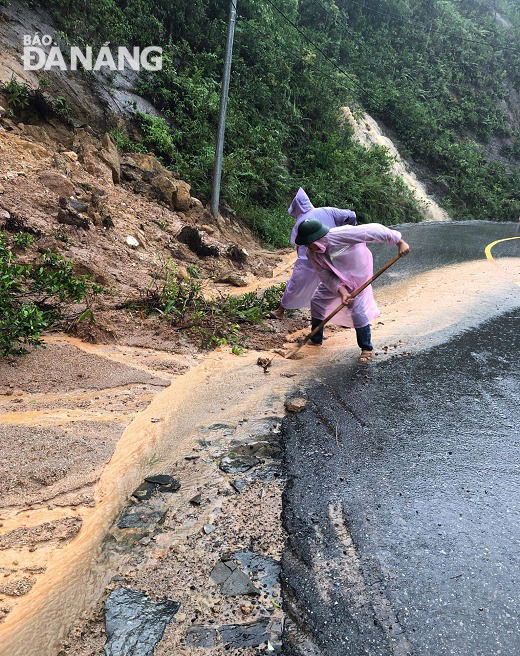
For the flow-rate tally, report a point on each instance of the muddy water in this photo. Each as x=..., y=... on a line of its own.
x=369, y=134
x=224, y=388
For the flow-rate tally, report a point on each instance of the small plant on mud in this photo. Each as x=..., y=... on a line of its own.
x=33, y=295
x=216, y=322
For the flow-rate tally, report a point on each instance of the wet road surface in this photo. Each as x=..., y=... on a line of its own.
x=402, y=501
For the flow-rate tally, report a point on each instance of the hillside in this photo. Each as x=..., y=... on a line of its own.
x=441, y=76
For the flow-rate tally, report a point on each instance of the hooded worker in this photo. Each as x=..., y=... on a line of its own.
x=343, y=262
x=304, y=280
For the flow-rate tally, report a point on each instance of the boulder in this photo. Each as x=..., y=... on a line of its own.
x=233, y=278
x=237, y=253
x=57, y=183
x=71, y=217
x=110, y=156
x=182, y=198
x=146, y=163
x=198, y=242
x=165, y=188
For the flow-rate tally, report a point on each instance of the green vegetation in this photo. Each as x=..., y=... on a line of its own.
x=213, y=322
x=33, y=294
x=441, y=73
x=21, y=100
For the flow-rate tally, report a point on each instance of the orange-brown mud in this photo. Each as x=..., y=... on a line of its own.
x=58, y=530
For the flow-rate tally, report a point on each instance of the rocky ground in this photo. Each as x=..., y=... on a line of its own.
x=64, y=408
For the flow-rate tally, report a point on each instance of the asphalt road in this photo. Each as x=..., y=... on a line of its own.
x=402, y=503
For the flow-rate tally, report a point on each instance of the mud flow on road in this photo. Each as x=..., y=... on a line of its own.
x=366, y=465
x=401, y=507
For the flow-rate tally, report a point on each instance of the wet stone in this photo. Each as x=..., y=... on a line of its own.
x=156, y=483
x=201, y=636
x=244, y=635
x=134, y=623
x=237, y=464
x=141, y=517
x=164, y=482
x=265, y=569
x=232, y=580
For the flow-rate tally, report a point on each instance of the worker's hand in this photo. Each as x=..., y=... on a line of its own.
x=346, y=298
x=403, y=247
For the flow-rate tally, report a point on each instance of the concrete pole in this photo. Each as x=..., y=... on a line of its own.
x=217, y=171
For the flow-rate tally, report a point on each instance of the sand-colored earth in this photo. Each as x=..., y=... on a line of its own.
x=216, y=391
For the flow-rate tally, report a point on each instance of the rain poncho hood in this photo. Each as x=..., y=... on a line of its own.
x=304, y=279
x=300, y=209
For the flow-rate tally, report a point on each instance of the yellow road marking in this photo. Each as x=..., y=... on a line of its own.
x=488, y=248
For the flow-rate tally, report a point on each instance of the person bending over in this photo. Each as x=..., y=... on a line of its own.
x=343, y=262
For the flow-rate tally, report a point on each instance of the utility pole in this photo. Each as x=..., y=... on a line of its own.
x=224, y=92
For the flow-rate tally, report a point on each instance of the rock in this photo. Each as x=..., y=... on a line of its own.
x=107, y=222
x=165, y=188
x=4, y=215
x=233, y=278
x=182, y=273
x=2, y=189
x=132, y=242
x=244, y=635
x=232, y=580
x=71, y=155
x=196, y=500
x=195, y=202
x=57, y=183
x=93, y=164
x=2, y=111
x=198, y=242
x=263, y=568
x=145, y=162
x=157, y=483
x=237, y=253
x=208, y=528
x=78, y=205
x=208, y=229
x=237, y=464
x=164, y=482
x=181, y=197
x=135, y=624
x=201, y=636
x=47, y=243
x=71, y=217
x=141, y=516
x=110, y=155
x=295, y=405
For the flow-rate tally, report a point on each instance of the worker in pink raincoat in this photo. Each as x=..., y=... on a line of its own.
x=343, y=263
x=304, y=280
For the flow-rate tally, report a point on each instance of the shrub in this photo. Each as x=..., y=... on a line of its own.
x=33, y=295
x=214, y=322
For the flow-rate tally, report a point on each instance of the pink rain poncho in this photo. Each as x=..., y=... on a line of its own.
x=304, y=280
x=344, y=259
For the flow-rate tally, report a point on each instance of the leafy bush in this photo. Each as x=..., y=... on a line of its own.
x=213, y=322
x=33, y=295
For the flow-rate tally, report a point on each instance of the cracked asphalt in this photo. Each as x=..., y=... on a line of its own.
x=402, y=503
